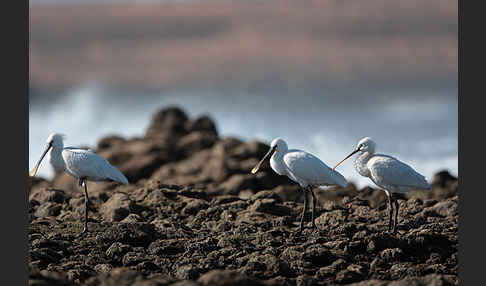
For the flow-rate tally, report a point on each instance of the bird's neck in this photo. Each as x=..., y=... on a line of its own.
x=360, y=164
x=277, y=164
x=56, y=160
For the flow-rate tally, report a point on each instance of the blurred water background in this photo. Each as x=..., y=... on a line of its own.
x=321, y=75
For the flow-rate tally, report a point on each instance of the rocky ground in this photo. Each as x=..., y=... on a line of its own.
x=194, y=215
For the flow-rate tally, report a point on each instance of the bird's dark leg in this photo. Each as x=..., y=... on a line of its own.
x=86, y=202
x=397, y=205
x=390, y=210
x=314, y=200
x=304, y=211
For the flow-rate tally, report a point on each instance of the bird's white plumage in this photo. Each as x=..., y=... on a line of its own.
x=84, y=163
x=309, y=170
x=302, y=167
x=386, y=171
x=81, y=163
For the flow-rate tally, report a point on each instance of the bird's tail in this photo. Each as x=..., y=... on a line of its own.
x=426, y=186
x=117, y=176
x=423, y=182
x=339, y=179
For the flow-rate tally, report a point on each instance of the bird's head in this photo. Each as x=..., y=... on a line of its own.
x=53, y=141
x=364, y=145
x=56, y=140
x=277, y=145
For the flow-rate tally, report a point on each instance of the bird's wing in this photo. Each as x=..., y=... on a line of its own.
x=85, y=163
x=387, y=171
x=75, y=149
x=312, y=170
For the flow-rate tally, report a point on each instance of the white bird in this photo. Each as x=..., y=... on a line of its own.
x=303, y=168
x=388, y=173
x=83, y=165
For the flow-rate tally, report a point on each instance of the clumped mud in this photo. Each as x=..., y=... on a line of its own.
x=194, y=215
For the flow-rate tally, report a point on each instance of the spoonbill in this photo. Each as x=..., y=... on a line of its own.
x=388, y=173
x=82, y=164
x=303, y=168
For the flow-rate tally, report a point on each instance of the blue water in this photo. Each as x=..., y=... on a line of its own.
x=419, y=127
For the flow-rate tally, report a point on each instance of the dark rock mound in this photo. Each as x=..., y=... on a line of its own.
x=193, y=214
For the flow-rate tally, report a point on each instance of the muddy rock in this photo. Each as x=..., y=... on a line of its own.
x=103, y=268
x=168, y=247
x=49, y=195
x=193, y=214
x=352, y=273
x=202, y=124
x=116, y=208
x=188, y=272
x=169, y=121
x=227, y=278
x=66, y=183
x=185, y=283
x=443, y=209
x=194, y=206
x=391, y=254
x=48, y=209
x=443, y=179
x=318, y=256
x=49, y=278
x=291, y=193
x=195, y=142
x=225, y=199
x=124, y=276
x=109, y=142
x=266, y=195
x=117, y=250
x=36, y=182
x=238, y=182
x=134, y=258
x=142, y=166
x=135, y=234
x=270, y=206
x=251, y=149
x=332, y=270
x=431, y=279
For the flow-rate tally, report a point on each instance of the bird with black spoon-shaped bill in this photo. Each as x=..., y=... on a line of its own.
x=82, y=164
x=303, y=168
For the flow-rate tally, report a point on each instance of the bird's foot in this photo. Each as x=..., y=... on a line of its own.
x=83, y=233
x=85, y=230
x=299, y=230
x=314, y=227
x=392, y=231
